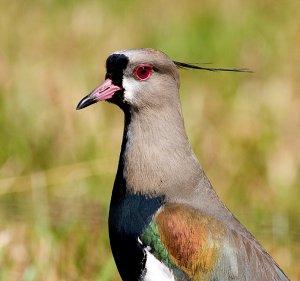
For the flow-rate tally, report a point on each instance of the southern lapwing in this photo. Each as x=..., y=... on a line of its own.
x=166, y=222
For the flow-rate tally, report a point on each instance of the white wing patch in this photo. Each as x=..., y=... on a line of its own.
x=155, y=270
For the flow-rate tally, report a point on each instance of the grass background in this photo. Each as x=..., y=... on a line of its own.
x=57, y=165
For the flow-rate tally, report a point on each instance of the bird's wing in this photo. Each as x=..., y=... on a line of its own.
x=197, y=246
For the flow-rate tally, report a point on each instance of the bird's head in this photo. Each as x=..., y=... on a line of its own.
x=136, y=78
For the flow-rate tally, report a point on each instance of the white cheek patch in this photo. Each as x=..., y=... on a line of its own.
x=155, y=270
x=131, y=87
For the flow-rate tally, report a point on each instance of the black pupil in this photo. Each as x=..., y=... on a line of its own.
x=143, y=71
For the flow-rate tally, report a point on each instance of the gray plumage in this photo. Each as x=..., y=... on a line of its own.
x=158, y=161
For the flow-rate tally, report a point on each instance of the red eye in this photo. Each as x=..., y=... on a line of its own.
x=143, y=71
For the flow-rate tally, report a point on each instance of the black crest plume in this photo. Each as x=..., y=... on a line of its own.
x=187, y=65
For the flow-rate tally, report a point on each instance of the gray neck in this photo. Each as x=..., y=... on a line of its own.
x=158, y=158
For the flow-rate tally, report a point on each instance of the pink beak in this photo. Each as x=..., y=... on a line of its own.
x=103, y=92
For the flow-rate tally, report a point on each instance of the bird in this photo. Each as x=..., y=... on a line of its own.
x=166, y=222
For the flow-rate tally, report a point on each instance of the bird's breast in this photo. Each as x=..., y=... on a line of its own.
x=129, y=215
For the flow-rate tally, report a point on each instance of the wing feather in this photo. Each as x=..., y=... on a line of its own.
x=197, y=246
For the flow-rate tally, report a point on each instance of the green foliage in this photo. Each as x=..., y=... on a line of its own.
x=57, y=165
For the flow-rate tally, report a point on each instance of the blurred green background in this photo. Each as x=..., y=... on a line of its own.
x=57, y=165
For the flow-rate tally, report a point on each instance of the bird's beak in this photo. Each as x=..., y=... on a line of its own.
x=103, y=92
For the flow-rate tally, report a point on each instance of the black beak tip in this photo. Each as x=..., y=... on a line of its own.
x=78, y=106
x=85, y=102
